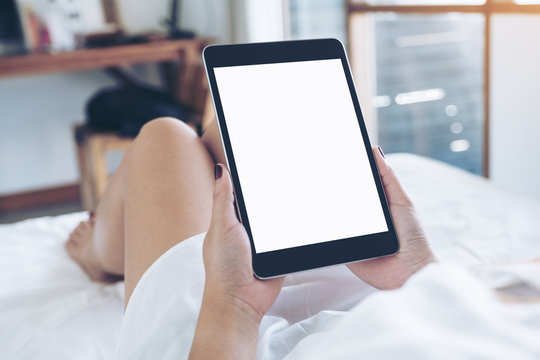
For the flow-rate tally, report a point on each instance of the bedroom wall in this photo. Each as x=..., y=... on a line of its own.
x=37, y=113
x=515, y=104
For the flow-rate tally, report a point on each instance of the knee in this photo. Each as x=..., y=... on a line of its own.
x=164, y=128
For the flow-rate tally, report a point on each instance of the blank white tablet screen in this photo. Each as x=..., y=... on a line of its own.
x=299, y=152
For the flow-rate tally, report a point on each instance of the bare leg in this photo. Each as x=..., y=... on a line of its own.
x=169, y=185
x=160, y=195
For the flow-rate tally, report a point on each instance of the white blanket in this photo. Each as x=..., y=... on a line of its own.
x=50, y=310
x=442, y=312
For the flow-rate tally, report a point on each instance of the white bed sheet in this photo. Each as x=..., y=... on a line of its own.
x=50, y=310
x=469, y=220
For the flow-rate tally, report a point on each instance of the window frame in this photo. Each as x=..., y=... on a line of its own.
x=489, y=8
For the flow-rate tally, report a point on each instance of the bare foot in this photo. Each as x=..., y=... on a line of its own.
x=80, y=249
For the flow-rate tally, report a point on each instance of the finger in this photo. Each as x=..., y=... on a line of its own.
x=392, y=187
x=382, y=165
x=212, y=140
x=223, y=211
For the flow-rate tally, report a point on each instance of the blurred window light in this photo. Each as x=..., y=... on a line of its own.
x=460, y=145
x=451, y=110
x=456, y=128
x=431, y=39
x=422, y=2
x=419, y=96
x=381, y=101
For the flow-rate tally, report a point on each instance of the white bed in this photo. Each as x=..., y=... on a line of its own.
x=50, y=310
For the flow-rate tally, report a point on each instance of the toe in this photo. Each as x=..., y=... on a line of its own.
x=85, y=225
x=71, y=248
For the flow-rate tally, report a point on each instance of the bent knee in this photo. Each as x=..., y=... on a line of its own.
x=164, y=128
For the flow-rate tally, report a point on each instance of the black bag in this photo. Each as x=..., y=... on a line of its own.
x=126, y=109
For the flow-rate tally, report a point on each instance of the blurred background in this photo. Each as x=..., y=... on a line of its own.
x=456, y=81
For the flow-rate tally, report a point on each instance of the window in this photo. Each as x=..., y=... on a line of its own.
x=317, y=19
x=421, y=68
x=429, y=86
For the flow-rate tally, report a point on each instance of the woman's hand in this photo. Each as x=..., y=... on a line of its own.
x=414, y=253
x=227, y=255
x=234, y=301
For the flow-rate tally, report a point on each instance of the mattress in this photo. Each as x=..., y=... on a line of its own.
x=49, y=309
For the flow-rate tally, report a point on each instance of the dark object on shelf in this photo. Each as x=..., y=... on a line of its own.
x=113, y=39
x=103, y=39
x=126, y=109
x=174, y=31
x=11, y=34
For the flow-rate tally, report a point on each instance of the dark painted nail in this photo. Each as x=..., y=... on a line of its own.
x=218, y=171
x=380, y=150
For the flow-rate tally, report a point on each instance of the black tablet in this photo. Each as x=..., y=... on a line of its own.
x=306, y=183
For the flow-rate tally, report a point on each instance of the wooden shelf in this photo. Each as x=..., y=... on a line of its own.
x=84, y=59
x=180, y=64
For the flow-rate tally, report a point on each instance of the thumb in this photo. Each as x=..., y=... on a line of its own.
x=223, y=211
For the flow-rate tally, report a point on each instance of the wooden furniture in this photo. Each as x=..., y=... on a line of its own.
x=182, y=73
x=92, y=150
x=168, y=53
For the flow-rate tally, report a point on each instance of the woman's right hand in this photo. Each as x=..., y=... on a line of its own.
x=392, y=271
x=234, y=301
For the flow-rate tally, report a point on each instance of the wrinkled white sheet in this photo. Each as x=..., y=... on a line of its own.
x=162, y=312
x=50, y=310
x=443, y=312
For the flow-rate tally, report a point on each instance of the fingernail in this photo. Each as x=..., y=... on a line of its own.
x=218, y=171
x=380, y=150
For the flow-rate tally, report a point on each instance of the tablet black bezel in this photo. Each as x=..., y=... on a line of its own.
x=285, y=261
